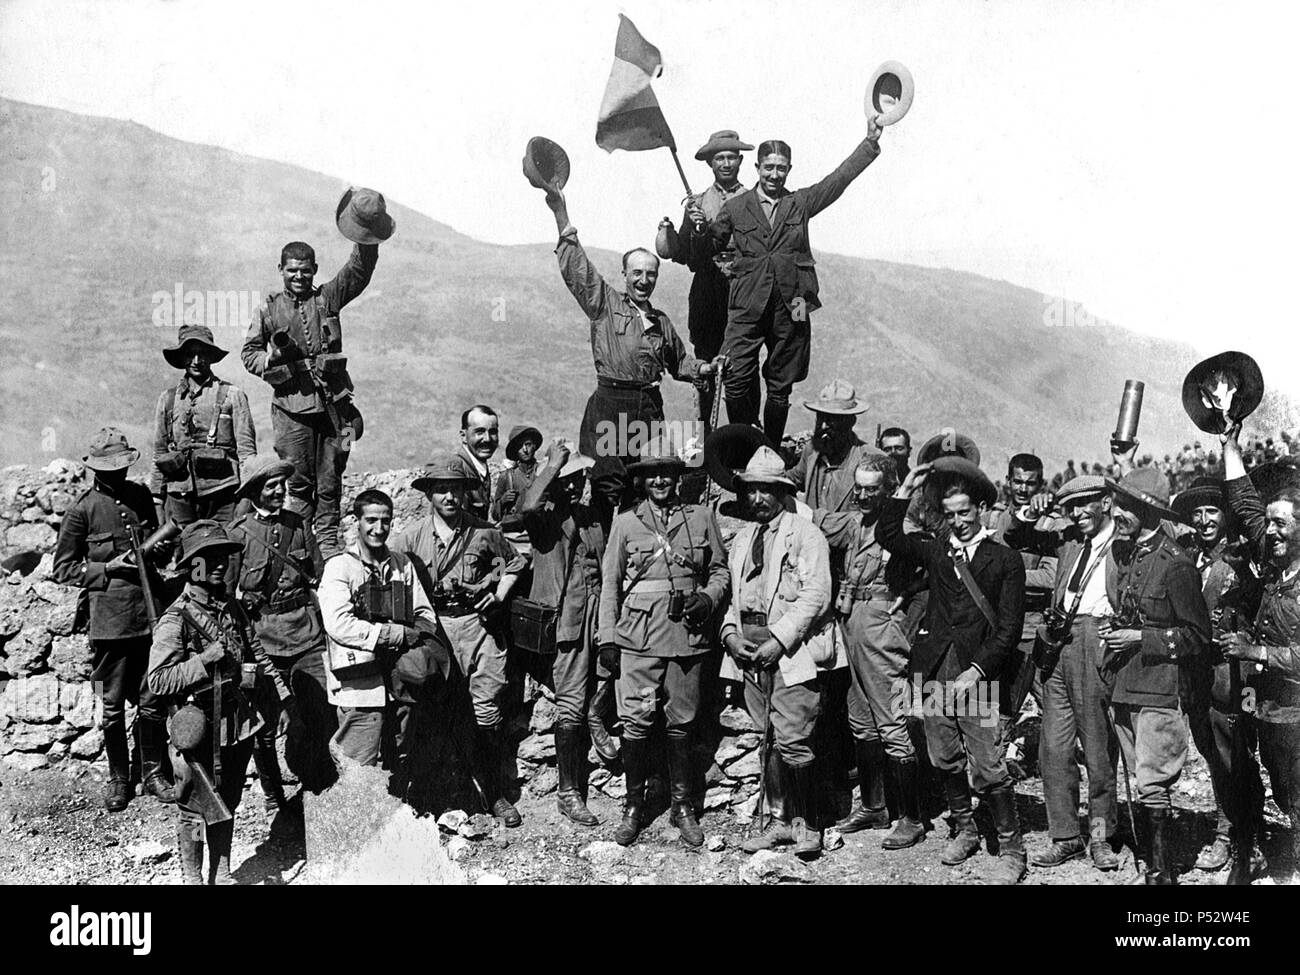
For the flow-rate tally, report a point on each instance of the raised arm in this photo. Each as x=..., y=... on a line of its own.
x=830, y=188
x=352, y=277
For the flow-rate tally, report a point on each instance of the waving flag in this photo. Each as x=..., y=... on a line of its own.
x=630, y=117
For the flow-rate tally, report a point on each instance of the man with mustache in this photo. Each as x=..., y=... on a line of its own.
x=1269, y=648
x=973, y=620
x=692, y=246
x=1231, y=590
x=1158, y=634
x=866, y=604
x=632, y=343
x=479, y=437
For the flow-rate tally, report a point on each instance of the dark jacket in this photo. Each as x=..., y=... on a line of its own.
x=777, y=255
x=95, y=530
x=952, y=617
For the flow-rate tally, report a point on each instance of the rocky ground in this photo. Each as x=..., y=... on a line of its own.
x=54, y=830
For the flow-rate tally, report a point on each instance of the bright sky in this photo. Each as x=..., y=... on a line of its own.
x=1135, y=156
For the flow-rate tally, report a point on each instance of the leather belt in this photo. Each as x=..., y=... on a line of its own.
x=625, y=384
x=296, y=601
x=678, y=583
x=860, y=593
x=748, y=618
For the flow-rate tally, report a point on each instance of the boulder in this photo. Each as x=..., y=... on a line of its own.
x=70, y=657
x=769, y=867
x=602, y=853
x=537, y=748
x=26, y=761
x=26, y=651
x=34, y=535
x=736, y=720
x=34, y=700
x=542, y=721
x=746, y=767
x=22, y=737
x=79, y=705
x=88, y=745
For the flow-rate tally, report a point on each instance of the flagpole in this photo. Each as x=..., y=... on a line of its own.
x=681, y=172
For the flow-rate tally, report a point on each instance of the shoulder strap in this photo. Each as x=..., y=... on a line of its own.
x=968, y=580
x=1097, y=560
x=171, y=417
x=219, y=395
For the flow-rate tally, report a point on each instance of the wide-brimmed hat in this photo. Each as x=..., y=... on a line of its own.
x=444, y=466
x=1149, y=487
x=728, y=449
x=362, y=216
x=546, y=164
x=1230, y=380
x=948, y=443
x=657, y=454
x=838, y=398
x=1276, y=475
x=724, y=140
x=259, y=470
x=192, y=335
x=109, y=451
x=890, y=92
x=1078, y=488
x=950, y=468
x=1201, y=493
x=204, y=535
x=765, y=467
x=517, y=436
x=576, y=464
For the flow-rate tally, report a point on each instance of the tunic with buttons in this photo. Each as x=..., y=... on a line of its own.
x=95, y=530
x=1163, y=584
x=647, y=556
x=287, y=618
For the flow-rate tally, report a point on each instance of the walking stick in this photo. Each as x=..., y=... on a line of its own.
x=766, y=747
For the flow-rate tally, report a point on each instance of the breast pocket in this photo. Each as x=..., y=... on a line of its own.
x=101, y=547
x=633, y=627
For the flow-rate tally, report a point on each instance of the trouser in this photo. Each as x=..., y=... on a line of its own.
x=644, y=680
x=230, y=784
x=360, y=735
x=1234, y=772
x=787, y=338
x=1075, y=700
x=614, y=418
x=310, y=442
x=708, y=325
x=964, y=734
x=189, y=508
x=306, y=746
x=790, y=709
x=119, y=667
x=481, y=656
x=1279, y=748
x=878, y=696
x=1154, y=742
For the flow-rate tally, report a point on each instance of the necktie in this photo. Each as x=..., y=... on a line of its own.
x=756, y=552
x=1076, y=577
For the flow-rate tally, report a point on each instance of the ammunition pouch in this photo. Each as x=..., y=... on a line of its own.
x=173, y=464
x=212, y=463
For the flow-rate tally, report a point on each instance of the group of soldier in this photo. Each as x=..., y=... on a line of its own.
x=842, y=590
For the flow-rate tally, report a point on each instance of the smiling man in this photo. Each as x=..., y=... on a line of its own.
x=973, y=621
x=480, y=433
x=632, y=344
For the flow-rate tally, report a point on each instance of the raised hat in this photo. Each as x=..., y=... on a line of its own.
x=1229, y=382
x=191, y=335
x=723, y=140
x=1149, y=487
x=362, y=216
x=576, y=464
x=657, y=453
x=838, y=398
x=728, y=449
x=1080, y=487
x=259, y=470
x=109, y=451
x=442, y=466
x=890, y=92
x=516, y=439
x=1202, y=492
x=765, y=467
x=204, y=535
x=948, y=443
x=546, y=164
x=949, y=468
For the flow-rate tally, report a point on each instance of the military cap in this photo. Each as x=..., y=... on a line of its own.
x=1081, y=487
x=109, y=451
x=443, y=467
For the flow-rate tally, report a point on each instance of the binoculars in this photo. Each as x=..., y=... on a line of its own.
x=676, y=605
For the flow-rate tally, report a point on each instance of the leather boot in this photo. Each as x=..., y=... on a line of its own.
x=606, y=747
x=570, y=759
x=489, y=742
x=680, y=763
x=1245, y=859
x=869, y=811
x=774, y=414
x=189, y=849
x=152, y=734
x=267, y=762
x=220, y=838
x=965, y=841
x=1010, y=868
x=634, y=771
x=777, y=805
x=911, y=827
x=803, y=816
x=117, y=790
x=1160, y=869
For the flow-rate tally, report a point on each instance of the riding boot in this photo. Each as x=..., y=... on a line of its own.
x=804, y=814
x=680, y=764
x=491, y=776
x=776, y=801
x=634, y=771
x=267, y=762
x=870, y=811
x=153, y=752
x=774, y=415
x=189, y=848
x=910, y=828
x=220, y=837
x=1010, y=867
x=1160, y=868
x=965, y=841
x=117, y=790
x=606, y=747
x=570, y=762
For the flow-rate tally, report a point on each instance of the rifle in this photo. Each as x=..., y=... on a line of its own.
x=204, y=794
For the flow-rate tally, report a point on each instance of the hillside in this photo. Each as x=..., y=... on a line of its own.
x=102, y=221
